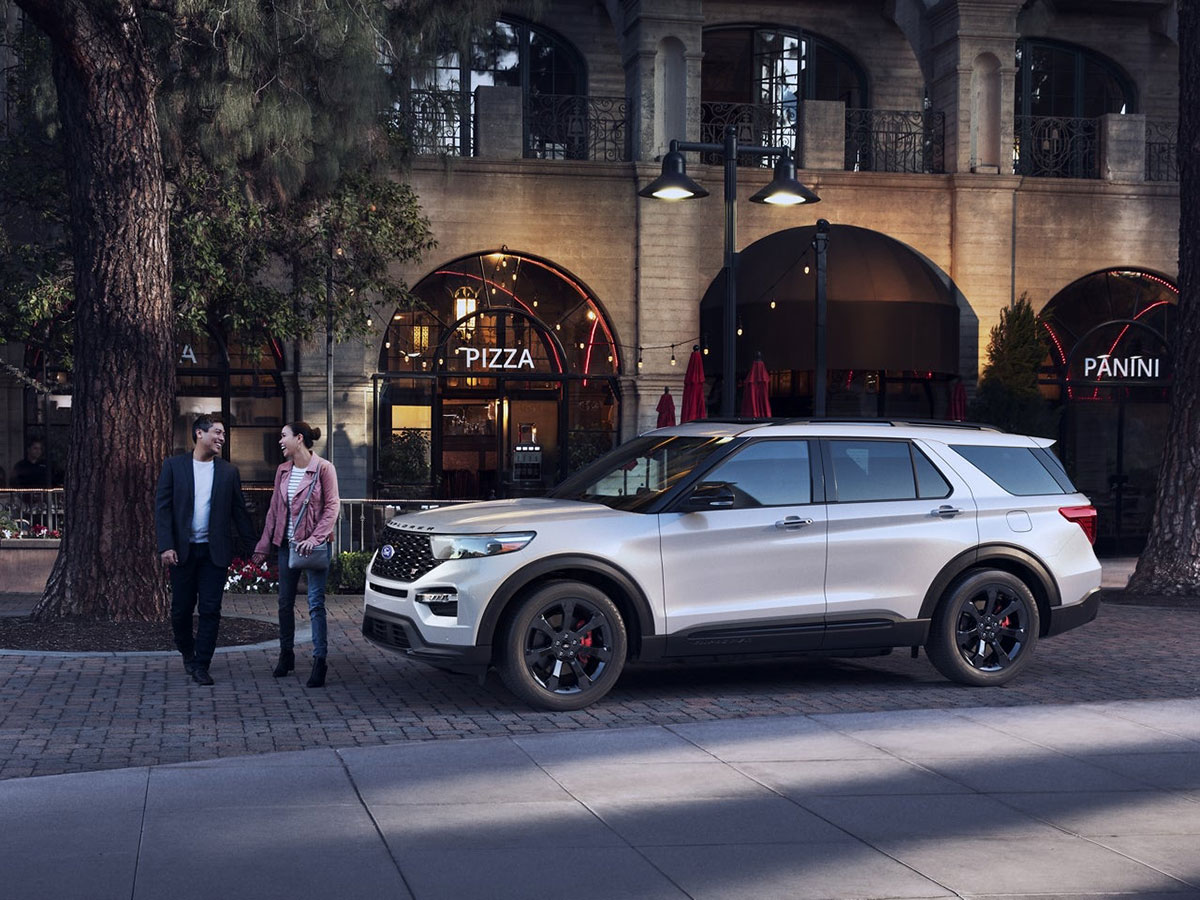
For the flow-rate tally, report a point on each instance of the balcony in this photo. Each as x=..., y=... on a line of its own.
x=896, y=140
x=565, y=126
x=1162, y=164
x=1056, y=147
x=553, y=126
x=875, y=140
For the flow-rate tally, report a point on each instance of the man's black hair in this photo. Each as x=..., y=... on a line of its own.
x=203, y=423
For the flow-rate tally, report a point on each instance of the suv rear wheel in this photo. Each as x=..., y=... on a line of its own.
x=564, y=646
x=985, y=628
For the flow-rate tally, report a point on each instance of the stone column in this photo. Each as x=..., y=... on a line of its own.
x=1123, y=147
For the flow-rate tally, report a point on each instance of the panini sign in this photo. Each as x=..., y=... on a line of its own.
x=1106, y=366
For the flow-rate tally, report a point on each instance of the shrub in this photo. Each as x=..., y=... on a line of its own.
x=349, y=572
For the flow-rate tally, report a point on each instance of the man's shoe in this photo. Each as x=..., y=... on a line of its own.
x=189, y=664
x=287, y=662
x=317, y=678
x=200, y=675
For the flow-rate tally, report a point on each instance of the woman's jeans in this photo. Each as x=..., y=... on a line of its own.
x=289, y=580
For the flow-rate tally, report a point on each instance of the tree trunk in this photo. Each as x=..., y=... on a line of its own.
x=123, y=382
x=1170, y=564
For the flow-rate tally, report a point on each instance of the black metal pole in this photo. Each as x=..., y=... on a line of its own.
x=729, y=361
x=820, y=245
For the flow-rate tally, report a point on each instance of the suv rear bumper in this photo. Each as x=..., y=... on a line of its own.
x=401, y=635
x=1064, y=618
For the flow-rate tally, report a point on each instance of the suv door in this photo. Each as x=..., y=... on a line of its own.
x=895, y=519
x=749, y=575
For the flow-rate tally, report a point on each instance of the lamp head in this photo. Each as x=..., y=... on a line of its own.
x=785, y=189
x=673, y=183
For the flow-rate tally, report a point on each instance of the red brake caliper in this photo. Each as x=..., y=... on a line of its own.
x=585, y=641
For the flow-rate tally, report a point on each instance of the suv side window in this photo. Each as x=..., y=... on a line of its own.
x=884, y=470
x=767, y=473
x=1021, y=471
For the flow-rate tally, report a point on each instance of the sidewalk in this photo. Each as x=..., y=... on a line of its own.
x=1079, y=801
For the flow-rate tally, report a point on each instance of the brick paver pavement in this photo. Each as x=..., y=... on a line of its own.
x=79, y=713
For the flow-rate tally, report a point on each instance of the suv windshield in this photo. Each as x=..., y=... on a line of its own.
x=636, y=474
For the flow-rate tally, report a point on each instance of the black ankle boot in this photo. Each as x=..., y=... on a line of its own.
x=287, y=662
x=317, y=678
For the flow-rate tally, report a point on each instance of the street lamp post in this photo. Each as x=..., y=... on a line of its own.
x=820, y=246
x=784, y=190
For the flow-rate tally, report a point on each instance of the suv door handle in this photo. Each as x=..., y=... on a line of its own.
x=945, y=511
x=791, y=523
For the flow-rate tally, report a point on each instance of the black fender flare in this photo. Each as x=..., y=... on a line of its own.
x=569, y=565
x=1000, y=556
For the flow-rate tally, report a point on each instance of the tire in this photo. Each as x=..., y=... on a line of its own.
x=985, y=628
x=564, y=646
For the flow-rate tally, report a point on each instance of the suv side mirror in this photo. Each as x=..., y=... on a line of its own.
x=710, y=495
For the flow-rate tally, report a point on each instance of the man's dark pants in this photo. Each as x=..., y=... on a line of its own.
x=196, y=583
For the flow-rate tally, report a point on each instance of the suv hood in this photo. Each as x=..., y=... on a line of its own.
x=492, y=516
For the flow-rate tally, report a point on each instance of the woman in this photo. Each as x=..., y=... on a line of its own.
x=304, y=508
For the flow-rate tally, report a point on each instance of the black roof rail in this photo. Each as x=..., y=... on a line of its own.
x=869, y=420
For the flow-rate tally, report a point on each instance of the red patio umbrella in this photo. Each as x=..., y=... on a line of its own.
x=756, y=403
x=693, y=389
x=666, y=409
x=958, y=402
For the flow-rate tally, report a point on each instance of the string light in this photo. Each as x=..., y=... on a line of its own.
x=640, y=362
x=672, y=354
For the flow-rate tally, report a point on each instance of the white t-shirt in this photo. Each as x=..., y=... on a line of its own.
x=293, y=486
x=202, y=475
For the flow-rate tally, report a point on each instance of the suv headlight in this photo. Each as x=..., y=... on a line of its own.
x=468, y=546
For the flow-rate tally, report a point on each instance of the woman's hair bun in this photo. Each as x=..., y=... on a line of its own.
x=316, y=434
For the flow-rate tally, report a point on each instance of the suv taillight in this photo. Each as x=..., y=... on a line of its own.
x=1084, y=517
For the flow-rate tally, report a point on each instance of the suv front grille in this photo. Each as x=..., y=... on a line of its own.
x=412, y=558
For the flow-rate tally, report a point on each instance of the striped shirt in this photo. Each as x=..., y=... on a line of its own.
x=293, y=486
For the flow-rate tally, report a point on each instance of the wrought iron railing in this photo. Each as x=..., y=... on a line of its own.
x=757, y=125
x=896, y=140
x=568, y=126
x=1161, y=162
x=1056, y=147
x=435, y=123
x=31, y=513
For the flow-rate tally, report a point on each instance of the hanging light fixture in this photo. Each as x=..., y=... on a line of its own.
x=673, y=183
x=785, y=189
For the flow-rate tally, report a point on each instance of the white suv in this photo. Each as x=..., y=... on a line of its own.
x=720, y=539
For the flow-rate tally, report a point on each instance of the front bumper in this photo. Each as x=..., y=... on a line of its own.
x=400, y=634
x=1064, y=618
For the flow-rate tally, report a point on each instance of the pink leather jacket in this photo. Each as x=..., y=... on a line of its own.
x=320, y=514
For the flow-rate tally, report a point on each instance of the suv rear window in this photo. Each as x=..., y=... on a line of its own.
x=1022, y=471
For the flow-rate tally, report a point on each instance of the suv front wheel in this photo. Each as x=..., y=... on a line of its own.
x=985, y=628
x=564, y=646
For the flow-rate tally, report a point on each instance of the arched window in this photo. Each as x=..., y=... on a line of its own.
x=1061, y=91
x=509, y=52
x=1057, y=79
x=500, y=379
x=1111, y=337
x=754, y=76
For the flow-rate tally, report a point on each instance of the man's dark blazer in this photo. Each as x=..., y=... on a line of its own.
x=173, y=506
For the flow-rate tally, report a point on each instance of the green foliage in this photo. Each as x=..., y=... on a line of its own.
x=1008, y=395
x=348, y=573
x=404, y=459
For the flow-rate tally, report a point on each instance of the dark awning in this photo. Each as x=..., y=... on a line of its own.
x=888, y=307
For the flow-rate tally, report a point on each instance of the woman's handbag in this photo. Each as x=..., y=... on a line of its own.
x=318, y=560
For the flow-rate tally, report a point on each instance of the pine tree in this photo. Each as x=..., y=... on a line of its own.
x=1008, y=388
x=1170, y=563
x=266, y=113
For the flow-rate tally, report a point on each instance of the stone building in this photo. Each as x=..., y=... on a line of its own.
x=965, y=153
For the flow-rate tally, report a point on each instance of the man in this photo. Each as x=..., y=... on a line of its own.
x=198, y=506
x=32, y=471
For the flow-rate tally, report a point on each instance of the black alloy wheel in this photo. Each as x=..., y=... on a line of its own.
x=985, y=628
x=564, y=646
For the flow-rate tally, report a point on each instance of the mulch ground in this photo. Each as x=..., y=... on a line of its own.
x=74, y=636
